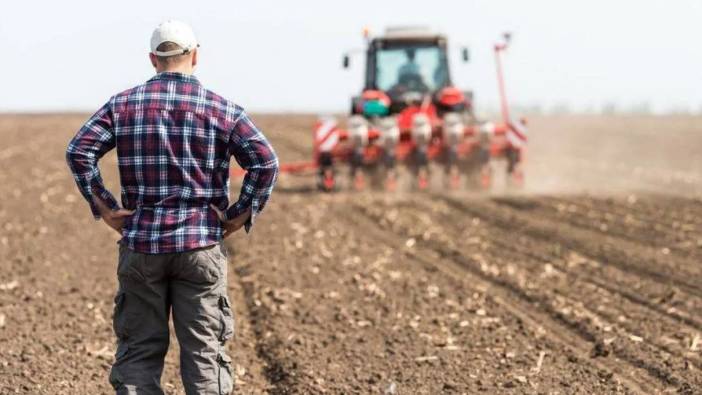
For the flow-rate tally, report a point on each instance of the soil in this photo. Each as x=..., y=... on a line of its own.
x=587, y=281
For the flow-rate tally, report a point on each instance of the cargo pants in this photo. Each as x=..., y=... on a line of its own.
x=193, y=286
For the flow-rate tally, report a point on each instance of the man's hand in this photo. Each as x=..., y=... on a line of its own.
x=113, y=218
x=234, y=224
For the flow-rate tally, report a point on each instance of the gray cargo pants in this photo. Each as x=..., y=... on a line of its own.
x=193, y=285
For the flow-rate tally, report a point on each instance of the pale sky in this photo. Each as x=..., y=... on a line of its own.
x=286, y=55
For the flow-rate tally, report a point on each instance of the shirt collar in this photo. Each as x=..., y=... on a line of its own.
x=175, y=76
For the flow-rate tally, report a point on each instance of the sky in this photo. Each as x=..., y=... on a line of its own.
x=285, y=56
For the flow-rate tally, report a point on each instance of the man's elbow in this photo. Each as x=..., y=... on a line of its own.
x=275, y=163
x=75, y=158
x=272, y=169
x=271, y=163
x=70, y=155
x=276, y=167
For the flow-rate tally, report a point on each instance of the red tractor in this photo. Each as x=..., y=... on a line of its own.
x=410, y=113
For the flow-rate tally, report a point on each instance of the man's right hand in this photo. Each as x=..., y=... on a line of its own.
x=234, y=224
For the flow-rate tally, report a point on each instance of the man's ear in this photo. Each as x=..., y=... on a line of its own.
x=195, y=57
x=152, y=57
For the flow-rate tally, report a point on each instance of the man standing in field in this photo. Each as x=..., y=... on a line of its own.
x=174, y=140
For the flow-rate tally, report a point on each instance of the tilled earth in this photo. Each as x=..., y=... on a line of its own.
x=589, y=281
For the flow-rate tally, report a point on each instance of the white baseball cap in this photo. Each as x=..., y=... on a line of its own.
x=176, y=32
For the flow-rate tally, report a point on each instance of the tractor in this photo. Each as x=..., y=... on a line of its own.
x=409, y=112
x=410, y=119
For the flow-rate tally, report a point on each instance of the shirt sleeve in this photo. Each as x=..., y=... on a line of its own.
x=91, y=142
x=253, y=153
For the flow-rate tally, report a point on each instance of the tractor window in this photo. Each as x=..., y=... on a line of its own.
x=410, y=69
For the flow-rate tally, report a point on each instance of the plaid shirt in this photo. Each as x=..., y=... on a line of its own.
x=174, y=139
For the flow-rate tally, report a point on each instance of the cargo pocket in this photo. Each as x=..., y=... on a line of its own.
x=226, y=320
x=219, y=259
x=226, y=383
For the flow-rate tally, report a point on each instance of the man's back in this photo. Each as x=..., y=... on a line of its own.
x=174, y=139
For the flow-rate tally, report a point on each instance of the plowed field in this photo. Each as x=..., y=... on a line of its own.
x=588, y=281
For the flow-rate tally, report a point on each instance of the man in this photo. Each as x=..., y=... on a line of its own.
x=409, y=68
x=409, y=75
x=174, y=140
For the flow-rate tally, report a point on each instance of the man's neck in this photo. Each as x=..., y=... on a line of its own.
x=182, y=70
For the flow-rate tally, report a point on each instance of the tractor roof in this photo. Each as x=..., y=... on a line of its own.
x=410, y=33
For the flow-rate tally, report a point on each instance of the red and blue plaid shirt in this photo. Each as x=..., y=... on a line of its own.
x=174, y=140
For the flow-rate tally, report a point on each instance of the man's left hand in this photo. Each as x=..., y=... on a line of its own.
x=113, y=218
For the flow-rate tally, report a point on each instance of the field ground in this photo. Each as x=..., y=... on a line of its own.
x=588, y=281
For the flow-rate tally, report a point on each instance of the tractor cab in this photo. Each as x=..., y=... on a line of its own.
x=403, y=67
